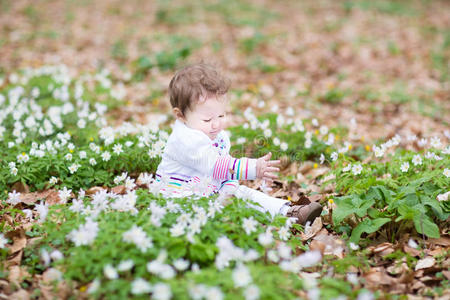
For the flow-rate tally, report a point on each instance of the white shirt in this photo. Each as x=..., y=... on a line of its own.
x=191, y=153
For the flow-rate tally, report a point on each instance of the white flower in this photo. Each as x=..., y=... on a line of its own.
x=138, y=237
x=56, y=255
x=177, y=229
x=117, y=149
x=422, y=142
x=241, y=276
x=284, y=251
x=53, y=274
x=110, y=272
x=404, y=167
x=64, y=194
x=140, y=286
x=161, y=291
x=284, y=233
x=82, y=154
x=125, y=265
x=249, y=225
x=334, y=156
x=68, y=156
x=352, y=278
x=365, y=295
x=251, y=292
x=273, y=256
x=53, y=180
x=357, y=169
x=443, y=197
x=353, y=246
x=94, y=286
x=106, y=156
x=284, y=146
x=23, y=157
x=276, y=141
x=42, y=209
x=77, y=206
x=13, y=198
x=378, y=151
x=213, y=293
x=435, y=142
x=314, y=122
x=181, y=264
x=265, y=239
x=347, y=168
x=267, y=133
x=412, y=243
x=417, y=160
x=14, y=171
x=308, y=143
x=28, y=213
x=3, y=241
x=81, y=123
x=92, y=162
x=446, y=173
x=73, y=168
x=322, y=158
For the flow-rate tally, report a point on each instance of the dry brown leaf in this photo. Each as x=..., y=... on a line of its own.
x=443, y=241
x=93, y=190
x=333, y=244
x=314, y=173
x=14, y=259
x=377, y=276
x=411, y=251
x=311, y=231
x=20, y=187
x=20, y=295
x=446, y=274
x=383, y=249
x=425, y=263
x=18, y=238
x=120, y=189
x=31, y=198
x=17, y=274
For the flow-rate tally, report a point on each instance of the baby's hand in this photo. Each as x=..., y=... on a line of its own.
x=265, y=168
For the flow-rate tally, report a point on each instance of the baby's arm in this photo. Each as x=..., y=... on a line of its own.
x=244, y=168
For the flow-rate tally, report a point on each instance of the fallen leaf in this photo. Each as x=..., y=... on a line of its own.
x=120, y=189
x=446, y=274
x=17, y=274
x=19, y=240
x=443, y=241
x=411, y=251
x=20, y=295
x=383, y=249
x=95, y=189
x=311, y=231
x=20, y=187
x=14, y=259
x=31, y=198
x=377, y=276
x=425, y=263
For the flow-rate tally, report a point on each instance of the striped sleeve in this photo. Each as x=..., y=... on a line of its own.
x=227, y=167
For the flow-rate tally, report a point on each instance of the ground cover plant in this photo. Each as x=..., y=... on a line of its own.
x=351, y=96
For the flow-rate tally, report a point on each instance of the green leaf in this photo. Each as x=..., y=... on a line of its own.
x=430, y=229
x=367, y=226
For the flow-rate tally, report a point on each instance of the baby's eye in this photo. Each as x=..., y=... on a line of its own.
x=206, y=121
x=221, y=116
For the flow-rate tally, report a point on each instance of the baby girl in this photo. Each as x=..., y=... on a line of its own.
x=198, y=148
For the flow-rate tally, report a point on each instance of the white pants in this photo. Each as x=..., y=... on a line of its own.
x=266, y=203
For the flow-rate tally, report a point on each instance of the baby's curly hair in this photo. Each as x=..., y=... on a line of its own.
x=194, y=82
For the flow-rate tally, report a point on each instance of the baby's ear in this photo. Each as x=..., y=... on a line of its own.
x=178, y=114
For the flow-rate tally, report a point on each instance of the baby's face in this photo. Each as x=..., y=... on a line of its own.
x=208, y=116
